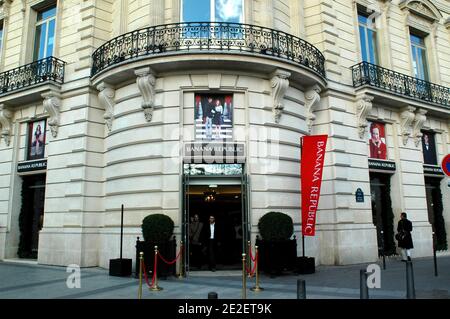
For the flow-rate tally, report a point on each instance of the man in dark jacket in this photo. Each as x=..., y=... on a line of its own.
x=404, y=229
x=212, y=239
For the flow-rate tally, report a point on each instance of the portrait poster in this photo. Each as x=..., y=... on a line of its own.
x=429, y=148
x=377, y=140
x=213, y=117
x=36, y=140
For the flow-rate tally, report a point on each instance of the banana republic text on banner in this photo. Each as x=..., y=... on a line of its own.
x=313, y=154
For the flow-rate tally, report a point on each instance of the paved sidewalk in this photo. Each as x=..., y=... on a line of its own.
x=329, y=282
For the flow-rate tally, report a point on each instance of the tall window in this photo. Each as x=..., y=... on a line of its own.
x=419, y=57
x=1, y=37
x=212, y=11
x=368, y=38
x=45, y=33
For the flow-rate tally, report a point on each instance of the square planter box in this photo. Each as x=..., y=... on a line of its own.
x=305, y=265
x=120, y=267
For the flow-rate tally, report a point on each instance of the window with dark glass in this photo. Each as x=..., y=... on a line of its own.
x=212, y=11
x=1, y=36
x=367, y=38
x=419, y=57
x=45, y=33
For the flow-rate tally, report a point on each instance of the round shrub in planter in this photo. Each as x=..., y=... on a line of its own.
x=157, y=228
x=276, y=226
x=277, y=251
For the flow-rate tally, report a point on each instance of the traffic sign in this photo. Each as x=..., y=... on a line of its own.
x=446, y=165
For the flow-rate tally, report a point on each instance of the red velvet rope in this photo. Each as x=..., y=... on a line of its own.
x=252, y=271
x=173, y=261
x=251, y=254
x=154, y=272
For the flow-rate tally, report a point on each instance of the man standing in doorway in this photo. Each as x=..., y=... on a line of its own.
x=212, y=240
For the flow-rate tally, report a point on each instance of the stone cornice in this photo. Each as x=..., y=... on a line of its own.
x=52, y=103
x=146, y=82
x=279, y=83
x=106, y=99
x=363, y=108
x=6, y=123
x=312, y=100
x=407, y=117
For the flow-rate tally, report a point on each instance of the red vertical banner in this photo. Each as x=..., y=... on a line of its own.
x=311, y=167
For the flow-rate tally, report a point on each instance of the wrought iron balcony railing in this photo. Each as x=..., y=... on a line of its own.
x=366, y=73
x=47, y=69
x=207, y=36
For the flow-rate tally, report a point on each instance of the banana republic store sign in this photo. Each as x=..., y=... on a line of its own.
x=214, y=153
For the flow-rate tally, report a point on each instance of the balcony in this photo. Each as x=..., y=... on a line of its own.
x=45, y=70
x=369, y=75
x=226, y=45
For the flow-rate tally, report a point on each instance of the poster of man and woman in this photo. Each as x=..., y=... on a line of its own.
x=36, y=140
x=213, y=117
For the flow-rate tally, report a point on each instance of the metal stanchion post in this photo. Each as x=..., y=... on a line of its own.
x=141, y=260
x=382, y=247
x=301, y=289
x=257, y=288
x=410, y=289
x=434, y=255
x=363, y=289
x=155, y=270
x=212, y=295
x=244, y=279
x=181, y=274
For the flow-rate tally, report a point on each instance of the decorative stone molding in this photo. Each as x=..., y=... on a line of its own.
x=419, y=121
x=407, y=117
x=312, y=99
x=146, y=82
x=106, y=98
x=363, y=108
x=279, y=83
x=52, y=103
x=422, y=8
x=6, y=123
x=447, y=23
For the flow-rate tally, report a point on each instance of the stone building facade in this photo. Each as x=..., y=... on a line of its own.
x=117, y=85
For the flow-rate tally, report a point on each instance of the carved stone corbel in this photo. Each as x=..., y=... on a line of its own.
x=146, y=82
x=6, y=122
x=279, y=83
x=419, y=121
x=52, y=103
x=312, y=99
x=363, y=107
x=407, y=117
x=106, y=98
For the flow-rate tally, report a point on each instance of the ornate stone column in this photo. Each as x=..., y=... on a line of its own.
x=146, y=82
x=279, y=83
x=52, y=103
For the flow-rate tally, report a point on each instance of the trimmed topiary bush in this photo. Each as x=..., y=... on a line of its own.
x=276, y=226
x=157, y=228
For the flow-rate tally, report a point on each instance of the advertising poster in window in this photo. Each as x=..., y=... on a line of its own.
x=429, y=148
x=377, y=140
x=213, y=117
x=36, y=140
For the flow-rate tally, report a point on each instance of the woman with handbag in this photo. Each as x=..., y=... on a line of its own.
x=403, y=236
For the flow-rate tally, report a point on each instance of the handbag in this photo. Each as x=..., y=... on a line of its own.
x=400, y=235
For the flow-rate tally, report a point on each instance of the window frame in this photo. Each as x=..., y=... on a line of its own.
x=47, y=22
x=417, y=48
x=366, y=28
x=212, y=13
